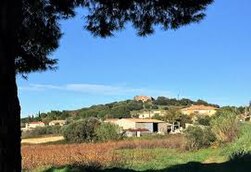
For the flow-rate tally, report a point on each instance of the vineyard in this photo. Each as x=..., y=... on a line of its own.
x=107, y=154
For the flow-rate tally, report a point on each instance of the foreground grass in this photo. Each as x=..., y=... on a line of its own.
x=156, y=159
x=171, y=161
x=149, y=160
x=157, y=155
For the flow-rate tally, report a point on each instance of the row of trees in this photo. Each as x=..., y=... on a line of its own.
x=164, y=101
x=47, y=117
x=84, y=130
x=40, y=131
x=120, y=109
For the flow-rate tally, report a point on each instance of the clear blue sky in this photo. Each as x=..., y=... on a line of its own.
x=210, y=60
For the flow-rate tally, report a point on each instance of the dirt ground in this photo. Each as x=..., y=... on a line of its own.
x=42, y=140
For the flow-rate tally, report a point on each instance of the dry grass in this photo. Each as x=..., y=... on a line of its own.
x=93, y=154
x=172, y=142
x=42, y=140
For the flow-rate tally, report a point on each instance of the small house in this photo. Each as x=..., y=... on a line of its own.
x=151, y=125
x=33, y=125
x=150, y=113
x=143, y=98
x=199, y=109
x=57, y=123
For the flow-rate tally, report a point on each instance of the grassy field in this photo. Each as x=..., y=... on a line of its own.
x=164, y=160
x=156, y=159
x=158, y=154
x=137, y=154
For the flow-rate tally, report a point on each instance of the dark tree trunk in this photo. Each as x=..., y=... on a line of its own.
x=10, y=154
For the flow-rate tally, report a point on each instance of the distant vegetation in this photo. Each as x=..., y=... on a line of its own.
x=120, y=109
x=41, y=131
x=221, y=139
x=90, y=130
x=140, y=154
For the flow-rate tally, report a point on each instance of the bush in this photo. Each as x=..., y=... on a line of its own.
x=225, y=126
x=203, y=120
x=198, y=137
x=107, y=131
x=39, y=131
x=81, y=131
x=242, y=144
x=174, y=115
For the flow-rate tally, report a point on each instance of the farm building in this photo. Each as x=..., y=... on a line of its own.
x=136, y=132
x=199, y=109
x=33, y=125
x=152, y=125
x=143, y=98
x=150, y=113
x=57, y=122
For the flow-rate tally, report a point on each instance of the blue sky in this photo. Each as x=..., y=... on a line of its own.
x=210, y=60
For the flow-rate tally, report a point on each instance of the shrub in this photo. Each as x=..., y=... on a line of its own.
x=39, y=131
x=203, y=120
x=81, y=131
x=198, y=137
x=242, y=144
x=225, y=126
x=107, y=131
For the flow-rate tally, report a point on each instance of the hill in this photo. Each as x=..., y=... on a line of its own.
x=119, y=109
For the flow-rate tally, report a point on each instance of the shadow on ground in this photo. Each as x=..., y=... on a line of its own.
x=238, y=163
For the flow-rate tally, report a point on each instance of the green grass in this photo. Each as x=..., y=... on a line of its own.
x=169, y=160
x=241, y=144
x=150, y=160
x=155, y=159
x=233, y=157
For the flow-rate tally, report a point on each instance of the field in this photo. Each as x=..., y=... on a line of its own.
x=136, y=154
x=101, y=154
x=158, y=154
x=42, y=140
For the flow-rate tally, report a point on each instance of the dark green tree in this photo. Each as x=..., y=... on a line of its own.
x=82, y=130
x=29, y=33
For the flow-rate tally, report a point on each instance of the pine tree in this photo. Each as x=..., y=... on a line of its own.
x=30, y=33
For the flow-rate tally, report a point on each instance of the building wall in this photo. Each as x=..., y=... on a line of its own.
x=162, y=127
x=60, y=123
x=145, y=115
x=125, y=124
x=150, y=114
x=142, y=98
x=148, y=126
x=34, y=125
x=204, y=112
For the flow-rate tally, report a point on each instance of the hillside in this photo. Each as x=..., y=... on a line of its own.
x=119, y=109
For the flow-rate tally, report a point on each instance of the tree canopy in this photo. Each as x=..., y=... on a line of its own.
x=30, y=32
x=40, y=31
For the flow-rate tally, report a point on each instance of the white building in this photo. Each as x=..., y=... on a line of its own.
x=150, y=113
x=33, y=125
x=152, y=125
x=57, y=123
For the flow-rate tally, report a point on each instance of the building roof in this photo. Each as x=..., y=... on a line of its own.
x=142, y=120
x=143, y=98
x=199, y=107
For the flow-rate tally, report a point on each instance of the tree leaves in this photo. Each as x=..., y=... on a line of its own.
x=40, y=30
